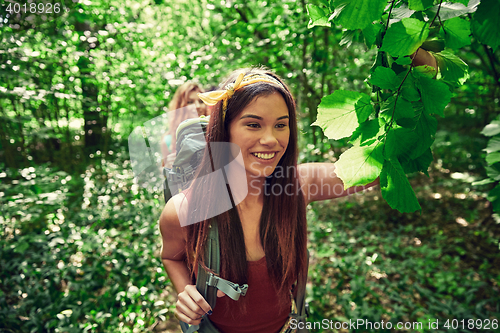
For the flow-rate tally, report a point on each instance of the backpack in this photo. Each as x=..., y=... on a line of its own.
x=190, y=148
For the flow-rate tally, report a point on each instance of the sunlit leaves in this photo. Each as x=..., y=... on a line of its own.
x=340, y=113
x=486, y=25
x=358, y=14
x=407, y=97
x=456, y=33
x=452, y=69
x=405, y=37
x=360, y=165
x=318, y=15
x=396, y=188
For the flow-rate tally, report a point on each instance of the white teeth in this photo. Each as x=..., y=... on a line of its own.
x=264, y=156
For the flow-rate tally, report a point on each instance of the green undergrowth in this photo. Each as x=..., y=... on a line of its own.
x=80, y=253
x=370, y=262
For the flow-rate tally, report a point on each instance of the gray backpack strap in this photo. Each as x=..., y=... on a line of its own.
x=212, y=260
x=207, y=283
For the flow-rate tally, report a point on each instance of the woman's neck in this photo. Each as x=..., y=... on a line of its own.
x=250, y=192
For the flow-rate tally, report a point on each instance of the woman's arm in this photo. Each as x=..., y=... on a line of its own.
x=190, y=306
x=319, y=181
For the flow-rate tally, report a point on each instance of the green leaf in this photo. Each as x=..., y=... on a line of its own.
x=384, y=78
x=409, y=87
x=435, y=95
x=456, y=33
x=452, y=69
x=419, y=164
x=399, y=142
x=348, y=37
x=401, y=12
x=404, y=109
x=371, y=32
x=494, y=198
x=493, y=158
x=463, y=2
x=493, y=172
x=407, y=122
x=404, y=37
x=492, y=128
x=483, y=182
x=420, y=5
x=485, y=23
x=319, y=17
x=493, y=145
x=425, y=131
x=360, y=165
x=403, y=61
x=367, y=133
x=451, y=10
x=396, y=188
x=358, y=14
x=434, y=44
x=425, y=70
x=340, y=113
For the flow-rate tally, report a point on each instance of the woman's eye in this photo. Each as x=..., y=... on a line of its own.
x=281, y=125
x=190, y=102
x=253, y=125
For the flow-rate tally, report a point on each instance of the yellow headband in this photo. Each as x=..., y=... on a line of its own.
x=212, y=97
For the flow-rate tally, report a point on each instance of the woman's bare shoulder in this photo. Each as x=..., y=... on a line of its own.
x=173, y=234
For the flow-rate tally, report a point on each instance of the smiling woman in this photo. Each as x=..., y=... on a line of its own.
x=262, y=238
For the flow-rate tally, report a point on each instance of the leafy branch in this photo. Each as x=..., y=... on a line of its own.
x=407, y=122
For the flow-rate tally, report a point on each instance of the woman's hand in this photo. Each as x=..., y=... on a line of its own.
x=191, y=306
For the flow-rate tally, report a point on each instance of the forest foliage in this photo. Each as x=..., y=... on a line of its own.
x=392, y=135
x=79, y=238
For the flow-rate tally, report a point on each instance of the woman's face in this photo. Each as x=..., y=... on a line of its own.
x=193, y=99
x=262, y=132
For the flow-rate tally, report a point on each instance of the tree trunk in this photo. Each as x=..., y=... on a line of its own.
x=94, y=119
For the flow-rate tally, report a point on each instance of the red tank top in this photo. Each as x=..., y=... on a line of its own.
x=263, y=313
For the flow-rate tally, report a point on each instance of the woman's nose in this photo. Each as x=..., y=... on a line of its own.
x=268, y=138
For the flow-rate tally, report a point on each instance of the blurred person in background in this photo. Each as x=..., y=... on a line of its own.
x=184, y=105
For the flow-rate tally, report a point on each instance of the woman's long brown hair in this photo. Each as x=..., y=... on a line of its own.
x=283, y=226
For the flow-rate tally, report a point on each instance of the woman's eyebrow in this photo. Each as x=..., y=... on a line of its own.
x=260, y=118
x=251, y=116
